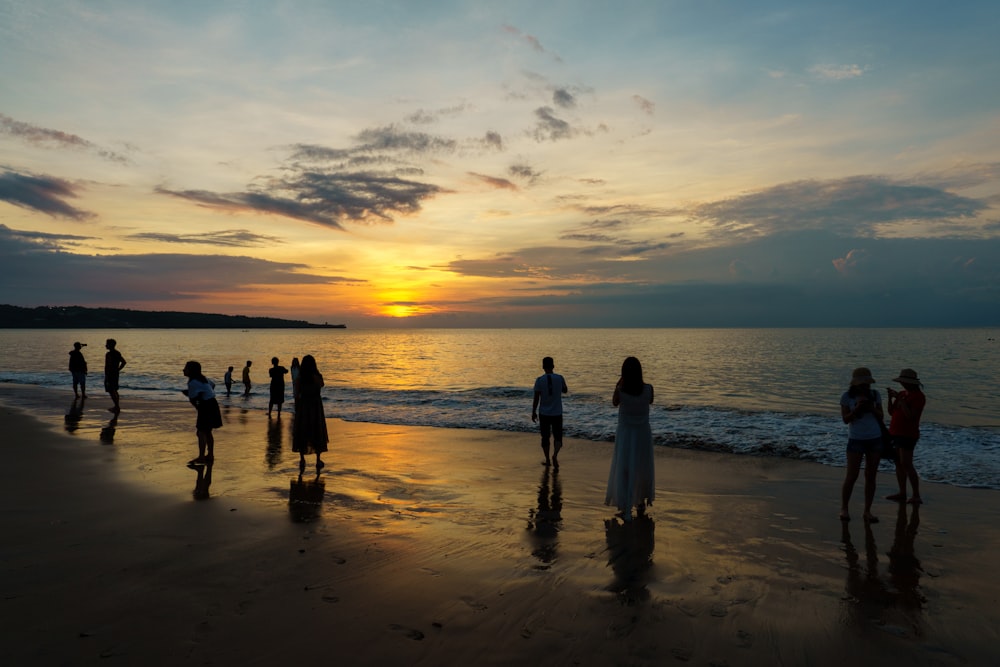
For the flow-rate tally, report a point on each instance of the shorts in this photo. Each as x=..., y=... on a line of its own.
x=79, y=377
x=904, y=442
x=551, y=425
x=111, y=383
x=869, y=446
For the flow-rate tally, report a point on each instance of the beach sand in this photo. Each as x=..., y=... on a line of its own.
x=439, y=546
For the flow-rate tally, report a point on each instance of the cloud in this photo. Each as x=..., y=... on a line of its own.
x=524, y=172
x=838, y=72
x=35, y=269
x=423, y=117
x=226, y=238
x=45, y=194
x=644, y=105
x=854, y=205
x=391, y=138
x=533, y=42
x=48, y=138
x=851, y=260
x=493, y=140
x=563, y=98
x=549, y=127
x=493, y=182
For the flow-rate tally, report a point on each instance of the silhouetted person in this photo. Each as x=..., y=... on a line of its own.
x=905, y=409
x=201, y=392
x=114, y=362
x=78, y=369
x=861, y=410
x=309, y=434
x=228, y=379
x=547, y=410
x=632, y=480
x=295, y=378
x=246, y=378
x=277, y=374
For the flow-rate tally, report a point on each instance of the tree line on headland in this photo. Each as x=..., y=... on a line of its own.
x=78, y=317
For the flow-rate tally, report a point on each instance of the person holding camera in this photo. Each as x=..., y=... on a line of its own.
x=905, y=408
x=861, y=410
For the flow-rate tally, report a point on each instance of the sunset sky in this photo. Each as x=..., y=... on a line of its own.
x=393, y=163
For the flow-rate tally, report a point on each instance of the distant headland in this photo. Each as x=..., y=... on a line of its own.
x=78, y=317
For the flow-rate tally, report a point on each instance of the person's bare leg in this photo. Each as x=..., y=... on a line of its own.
x=871, y=480
x=850, y=477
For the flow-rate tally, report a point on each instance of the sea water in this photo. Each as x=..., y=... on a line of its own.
x=757, y=392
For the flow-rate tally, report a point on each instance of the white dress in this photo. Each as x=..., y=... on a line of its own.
x=632, y=480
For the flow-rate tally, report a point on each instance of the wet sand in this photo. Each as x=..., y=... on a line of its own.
x=442, y=546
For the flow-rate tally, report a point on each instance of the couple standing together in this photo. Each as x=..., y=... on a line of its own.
x=631, y=482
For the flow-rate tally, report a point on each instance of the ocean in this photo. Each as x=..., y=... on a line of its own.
x=751, y=392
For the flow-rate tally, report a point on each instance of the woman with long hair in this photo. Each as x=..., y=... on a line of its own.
x=632, y=480
x=861, y=410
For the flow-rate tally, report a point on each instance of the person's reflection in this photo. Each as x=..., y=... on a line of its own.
x=75, y=414
x=545, y=520
x=305, y=499
x=904, y=566
x=630, y=555
x=108, y=432
x=867, y=596
x=203, y=481
x=274, y=440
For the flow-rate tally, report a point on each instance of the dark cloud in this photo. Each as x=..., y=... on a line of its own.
x=849, y=206
x=237, y=238
x=563, y=98
x=493, y=140
x=391, y=138
x=323, y=198
x=549, y=127
x=34, y=270
x=525, y=173
x=45, y=194
x=48, y=138
x=494, y=182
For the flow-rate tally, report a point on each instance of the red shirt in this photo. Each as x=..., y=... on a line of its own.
x=907, y=427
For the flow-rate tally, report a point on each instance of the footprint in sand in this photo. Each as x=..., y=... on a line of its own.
x=410, y=633
x=478, y=606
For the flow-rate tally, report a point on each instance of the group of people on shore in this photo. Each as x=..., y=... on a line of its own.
x=309, y=432
x=631, y=480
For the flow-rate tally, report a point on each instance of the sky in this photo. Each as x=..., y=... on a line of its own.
x=665, y=163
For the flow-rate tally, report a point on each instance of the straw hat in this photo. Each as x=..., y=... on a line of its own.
x=861, y=376
x=908, y=376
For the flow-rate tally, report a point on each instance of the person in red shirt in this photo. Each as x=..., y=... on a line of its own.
x=906, y=407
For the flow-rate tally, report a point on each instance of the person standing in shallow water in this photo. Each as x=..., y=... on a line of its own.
x=277, y=374
x=547, y=410
x=201, y=392
x=246, y=378
x=78, y=368
x=228, y=380
x=861, y=410
x=905, y=409
x=632, y=480
x=309, y=434
x=114, y=362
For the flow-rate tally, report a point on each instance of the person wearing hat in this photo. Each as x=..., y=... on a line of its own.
x=861, y=410
x=905, y=408
x=78, y=367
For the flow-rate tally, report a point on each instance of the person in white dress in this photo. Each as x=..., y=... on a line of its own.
x=632, y=480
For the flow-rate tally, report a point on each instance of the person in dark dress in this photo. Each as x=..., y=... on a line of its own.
x=309, y=434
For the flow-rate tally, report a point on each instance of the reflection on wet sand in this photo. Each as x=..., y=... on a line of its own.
x=872, y=600
x=305, y=499
x=74, y=414
x=203, y=481
x=545, y=520
x=275, y=436
x=108, y=431
x=630, y=555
